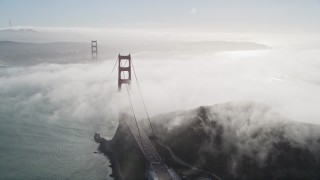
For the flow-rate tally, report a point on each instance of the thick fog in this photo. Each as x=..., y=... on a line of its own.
x=286, y=81
x=285, y=78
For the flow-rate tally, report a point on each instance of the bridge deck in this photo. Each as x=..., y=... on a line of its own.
x=155, y=163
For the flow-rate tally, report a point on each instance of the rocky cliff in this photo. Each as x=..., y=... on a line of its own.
x=240, y=140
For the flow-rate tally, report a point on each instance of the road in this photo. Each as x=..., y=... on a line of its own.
x=156, y=164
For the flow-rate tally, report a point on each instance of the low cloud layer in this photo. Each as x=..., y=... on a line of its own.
x=287, y=81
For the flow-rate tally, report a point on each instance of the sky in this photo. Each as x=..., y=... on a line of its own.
x=213, y=15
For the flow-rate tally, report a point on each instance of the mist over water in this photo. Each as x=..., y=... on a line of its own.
x=36, y=149
x=240, y=78
x=49, y=112
x=48, y=117
x=287, y=81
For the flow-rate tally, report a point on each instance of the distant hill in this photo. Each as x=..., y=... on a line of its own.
x=26, y=53
x=21, y=54
x=23, y=30
x=205, y=46
x=224, y=46
x=37, y=36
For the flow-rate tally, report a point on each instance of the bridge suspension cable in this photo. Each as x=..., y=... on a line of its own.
x=144, y=105
x=141, y=96
x=134, y=115
x=131, y=104
x=140, y=93
x=114, y=66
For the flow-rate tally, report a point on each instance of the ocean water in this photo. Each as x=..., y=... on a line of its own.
x=48, y=116
x=50, y=112
x=37, y=149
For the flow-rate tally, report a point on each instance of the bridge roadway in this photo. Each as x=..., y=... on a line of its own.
x=157, y=167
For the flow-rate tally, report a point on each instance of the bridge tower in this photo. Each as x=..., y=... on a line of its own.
x=124, y=73
x=94, y=50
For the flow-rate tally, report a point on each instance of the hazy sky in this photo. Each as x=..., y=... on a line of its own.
x=219, y=15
